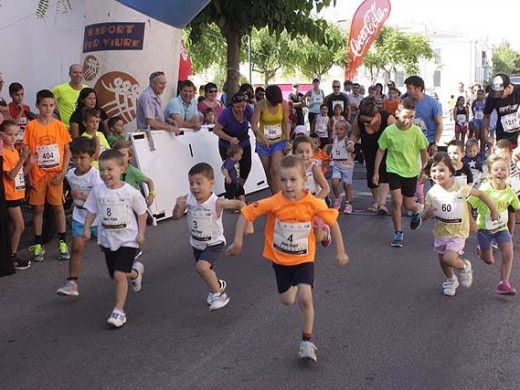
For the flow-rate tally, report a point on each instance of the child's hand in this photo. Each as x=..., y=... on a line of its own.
x=234, y=249
x=86, y=234
x=181, y=201
x=58, y=179
x=139, y=240
x=428, y=213
x=342, y=259
x=495, y=216
x=149, y=199
x=228, y=180
x=24, y=152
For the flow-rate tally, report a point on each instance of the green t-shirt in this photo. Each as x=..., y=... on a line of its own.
x=66, y=99
x=403, y=150
x=134, y=177
x=103, y=145
x=502, y=199
x=113, y=138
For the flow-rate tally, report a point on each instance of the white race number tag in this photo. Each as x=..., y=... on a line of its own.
x=112, y=213
x=48, y=156
x=448, y=209
x=273, y=132
x=292, y=237
x=200, y=224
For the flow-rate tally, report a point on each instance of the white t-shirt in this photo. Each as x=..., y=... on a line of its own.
x=83, y=184
x=115, y=210
x=205, y=225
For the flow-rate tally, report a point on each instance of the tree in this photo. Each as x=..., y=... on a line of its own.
x=236, y=18
x=505, y=60
x=208, y=50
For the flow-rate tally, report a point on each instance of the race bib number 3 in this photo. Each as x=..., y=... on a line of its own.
x=112, y=213
x=48, y=156
x=200, y=224
x=292, y=238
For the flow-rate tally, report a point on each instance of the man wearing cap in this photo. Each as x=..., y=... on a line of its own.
x=296, y=98
x=504, y=97
x=335, y=98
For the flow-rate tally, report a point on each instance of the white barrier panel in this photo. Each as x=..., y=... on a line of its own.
x=169, y=163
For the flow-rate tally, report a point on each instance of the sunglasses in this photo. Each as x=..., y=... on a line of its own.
x=212, y=91
x=336, y=86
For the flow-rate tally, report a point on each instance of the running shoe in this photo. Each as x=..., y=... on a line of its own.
x=21, y=265
x=449, y=287
x=397, y=242
x=348, y=208
x=223, y=286
x=37, y=252
x=137, y=283
x=504, y=288
x=70, y=289
x=63, y=251
x=117, y=319
x=337, y=203
x=416, y=221
x=466, y=274
x=307, y=350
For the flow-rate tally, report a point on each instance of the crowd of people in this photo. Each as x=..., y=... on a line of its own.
x=472, y=186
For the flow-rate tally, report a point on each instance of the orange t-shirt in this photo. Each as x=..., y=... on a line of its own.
x=289, y=234
x=390, y=105
x=14, y=189
x=324, y=158
x=49, y=142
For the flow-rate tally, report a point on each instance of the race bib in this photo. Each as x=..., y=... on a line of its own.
x=494, y=226
x=200, y=224
x=19, y=181
x=339, y=151
x=48, y=156
x=419, y=122
x=112, y=213
x=462, y=179
x=321, y=130
x=273, y=132
x=292, y=237
x=510, y=122
x=449, y=209
x=514, y=183
x=461, y=119
x=317, y=99
x=479, y=115
x=310, y=184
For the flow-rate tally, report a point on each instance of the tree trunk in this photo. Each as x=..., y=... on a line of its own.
x=233, y=62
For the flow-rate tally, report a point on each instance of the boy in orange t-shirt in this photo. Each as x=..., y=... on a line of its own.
x=14, y=186
x=290, y=243
x=48, y=139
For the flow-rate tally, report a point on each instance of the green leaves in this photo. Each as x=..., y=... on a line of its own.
x=505, y=60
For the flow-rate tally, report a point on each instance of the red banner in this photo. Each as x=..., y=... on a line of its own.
x=184, y=64
x=367, y=22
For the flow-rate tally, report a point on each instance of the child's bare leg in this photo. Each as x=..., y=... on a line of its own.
x=450, y=260
x=511, y=221
x=205, y=270
x=17, y=226
x=506, y=249
x=348, y=192
x=59, y=212
x=335, y=188
x=305, y=301
x=38, y=219
x=397, y=201
x=121, y=282
x=289, y=297
x=75, y=259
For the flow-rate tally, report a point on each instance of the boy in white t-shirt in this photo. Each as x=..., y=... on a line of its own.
x=120, y=232
x=82, y=178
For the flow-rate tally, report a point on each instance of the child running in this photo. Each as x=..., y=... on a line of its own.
x=121, y=212
x=290, y=242
x=461, y=117
x=490, y=229
x=82, y=178
x=446, y=201
x=404, y=143
x=14, y=169
x=206, y=229
x=462, y=170
x=475, y=159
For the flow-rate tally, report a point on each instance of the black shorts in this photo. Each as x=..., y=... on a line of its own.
x=210, y=254
x=292, y=275
x=13, y=203
x=120, y=260
x=408, y=185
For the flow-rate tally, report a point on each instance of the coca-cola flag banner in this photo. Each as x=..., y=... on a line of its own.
x=367, y=22
x=184, y=64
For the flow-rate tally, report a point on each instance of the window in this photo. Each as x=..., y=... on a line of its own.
x=437, y=78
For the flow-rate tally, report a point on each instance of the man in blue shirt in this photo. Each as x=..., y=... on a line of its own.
x=183, y=108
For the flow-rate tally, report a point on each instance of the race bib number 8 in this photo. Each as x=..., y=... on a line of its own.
x=292, y=238
x=112, y=213
x=200, y=224
x=48, y=156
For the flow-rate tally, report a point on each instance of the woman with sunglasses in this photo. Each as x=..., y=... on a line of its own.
x=232, y=128
x=369, y=125
x=211, y=101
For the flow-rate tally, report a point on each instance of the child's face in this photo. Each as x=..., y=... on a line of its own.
x=440, y=173
x=503, y=152
x=392, y=94
x=17, y=96
x=238, y=155
x=472, y=151
x=460, y=101
x=341, y=130
x=210, y=117
x=324, y=111
x=315, y=144
x=481, y=95
x=292, y=180
x=110, y=172
x=455, y=153
x=126, y=154
x=337, y=110
x=304, y=151
x=405, y=118
x=82, y=161
x=118, y=128
x=46, y=107
x=92, y=124
x=11, y=132
x=499, y=171
x=200, y=186
x=90, y=100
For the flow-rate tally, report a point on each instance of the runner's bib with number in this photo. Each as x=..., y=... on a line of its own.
x=112, y=213
x=419, y=122
x=273, y=132
x=462, y=179
x=511, y=122
x=339, y=151
x=479, y=115
x=48, y=156
x=449, y=209
x=19, y=181
x=200, y=224
x=494, y=226
x=461, y=119
x=292, y=237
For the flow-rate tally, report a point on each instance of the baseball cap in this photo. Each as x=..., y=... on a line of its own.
x=300, y=129
x=295, y=85
x=500, y=82
x=316, y=80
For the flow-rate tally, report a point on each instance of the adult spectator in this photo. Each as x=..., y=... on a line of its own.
x=272, y=127
x=314, y=98
x=211, y=100
x=428, y=112
x=347, y=88
x=66, y=94
x=389, y=85
x=335, y=98
x=296, y=97
x=368, y=126
x=355, y=99
x=232, y=128
x=182, y=109
x=259, y=93
x=149, y=110
x=87, y=99
x=247, y=90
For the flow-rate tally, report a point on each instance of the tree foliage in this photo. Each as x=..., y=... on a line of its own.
x=505, y=60
x=208, y=50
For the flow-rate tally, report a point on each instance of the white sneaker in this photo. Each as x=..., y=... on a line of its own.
x=117, y=319
x=70, y=289
x=466, y=275
x=450, y=286
x=223, y=286
x=137, y=283
x=219, y=301
x=307, y=351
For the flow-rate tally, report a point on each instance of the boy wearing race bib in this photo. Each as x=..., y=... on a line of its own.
x=91, y=123
x=504, y=198
x=48, y=139
x=121, y=215
x=462, y=170
x=14, y=170
x=446, y=202
x=290, y=243
x=206, y=229
x=82, y=178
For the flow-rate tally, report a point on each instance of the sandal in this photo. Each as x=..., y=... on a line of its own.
x=383, y=210
x=373, y=207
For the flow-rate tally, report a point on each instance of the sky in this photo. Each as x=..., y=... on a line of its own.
x=447, y=16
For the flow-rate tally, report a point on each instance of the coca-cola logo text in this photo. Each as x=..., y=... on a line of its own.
x=372, y=21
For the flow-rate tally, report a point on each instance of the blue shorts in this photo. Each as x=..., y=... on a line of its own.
x=267, y=152
x=345, y=174
x=77, y=229
x=476, y=124
x=485, y=238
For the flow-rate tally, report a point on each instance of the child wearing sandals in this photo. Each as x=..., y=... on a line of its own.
x=489, y=230
x=446, y=202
